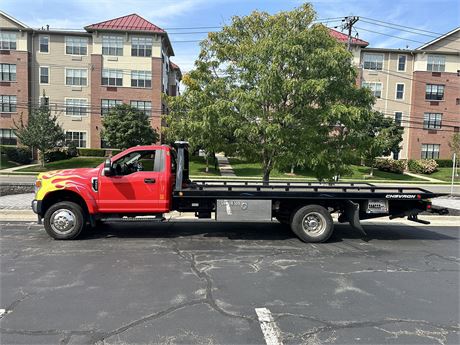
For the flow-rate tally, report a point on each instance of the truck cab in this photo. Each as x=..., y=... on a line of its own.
x=137, y=181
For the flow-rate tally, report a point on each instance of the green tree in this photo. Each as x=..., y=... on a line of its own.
x=42, y=131
x=126, y=126
x=201, y=113
x=380, y=137
x=284, y=85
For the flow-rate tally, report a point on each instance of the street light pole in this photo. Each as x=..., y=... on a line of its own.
x=453, y=174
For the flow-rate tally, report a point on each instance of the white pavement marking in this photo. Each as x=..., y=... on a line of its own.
x=2, y=312
x=269, y=328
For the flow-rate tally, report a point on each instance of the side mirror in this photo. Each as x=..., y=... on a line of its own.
x=108, y=170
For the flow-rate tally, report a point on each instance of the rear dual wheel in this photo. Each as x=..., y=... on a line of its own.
x=312, y=223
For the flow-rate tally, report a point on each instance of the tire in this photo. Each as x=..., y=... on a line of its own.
x=64, y=220
x=312, y=224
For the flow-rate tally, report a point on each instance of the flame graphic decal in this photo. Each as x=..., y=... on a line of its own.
x=61, y=179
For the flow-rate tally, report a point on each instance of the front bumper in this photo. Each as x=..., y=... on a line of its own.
x=37, y=206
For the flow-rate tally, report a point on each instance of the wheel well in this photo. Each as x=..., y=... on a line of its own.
x=62, y=195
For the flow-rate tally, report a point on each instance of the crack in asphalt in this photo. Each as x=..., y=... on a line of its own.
x=333, y=326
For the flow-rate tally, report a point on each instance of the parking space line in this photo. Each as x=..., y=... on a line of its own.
x=268, y=326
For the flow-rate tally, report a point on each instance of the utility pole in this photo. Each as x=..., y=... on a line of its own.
x=348, y=24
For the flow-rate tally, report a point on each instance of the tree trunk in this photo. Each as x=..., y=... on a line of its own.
x=42, y=158
x=267, y=168
x=266, y=178
x=372, y=170
x=207, y=163
x=292, y=169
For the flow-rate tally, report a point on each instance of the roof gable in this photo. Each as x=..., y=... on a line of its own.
x=8, y=21
x=448, y=41
x=131, y=22
x=341, y=37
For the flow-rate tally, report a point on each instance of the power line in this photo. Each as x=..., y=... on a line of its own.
x=403, y=26
x=402, y=38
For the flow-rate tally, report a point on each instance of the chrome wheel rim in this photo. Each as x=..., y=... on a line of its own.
x=314, y=224
x=62, y=221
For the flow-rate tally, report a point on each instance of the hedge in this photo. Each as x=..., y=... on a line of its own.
x=91, y=152
x=422, y=166
x=17, y=154
x=444, y=163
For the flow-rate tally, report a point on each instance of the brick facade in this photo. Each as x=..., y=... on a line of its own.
x=447, y=107
x=125, y=94
x=18, y=88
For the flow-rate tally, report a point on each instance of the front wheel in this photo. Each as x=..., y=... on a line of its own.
x=64, y=220
x=312, y=223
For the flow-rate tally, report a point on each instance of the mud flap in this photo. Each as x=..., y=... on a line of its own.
x=351, y=215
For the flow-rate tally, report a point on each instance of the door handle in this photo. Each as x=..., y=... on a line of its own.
x=149, y=180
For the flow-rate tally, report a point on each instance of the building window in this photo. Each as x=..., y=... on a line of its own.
x=141, y=46
x=398, y=118
x=432, y=120
x=78, y=138
x=76, y=45
x=7, y=137
x=76, y=106
x=376, y=88
x=434, y=92
x=44, y=44
x=106, y=104
x=399, y=91
x=141, y=79
x=144, y=106
x=430, y=151
x=373, y=61
x=112, y=77
x=44, y=75
x=76, y=77
x=402, y=63
x=7, y=40
x=112, y=45
x=8, y=104
x=8, y=72
x=436, y=63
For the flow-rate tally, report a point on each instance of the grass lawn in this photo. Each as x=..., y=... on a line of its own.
x=76, y=162
x=245, y=169
x=198, y=167
x=445, y=174
x=5, y=163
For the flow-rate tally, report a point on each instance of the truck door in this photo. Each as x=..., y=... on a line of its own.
x=137, y=184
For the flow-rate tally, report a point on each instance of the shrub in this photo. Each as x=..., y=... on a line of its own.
x=21, y=155
x=109, y=152
x=72, y=150
x=56, y=155
x=444, y=163
x=91, y=152
x=390, y=165
x=422, y=166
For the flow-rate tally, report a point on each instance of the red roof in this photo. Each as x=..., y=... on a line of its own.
x=131, y=22
x=344, y=38
x=173, y=65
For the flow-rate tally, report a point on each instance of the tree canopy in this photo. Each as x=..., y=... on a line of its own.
x=42, y=131
x=277, y=89
x=126, y=126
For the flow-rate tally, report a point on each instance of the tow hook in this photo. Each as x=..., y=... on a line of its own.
x=414, y=218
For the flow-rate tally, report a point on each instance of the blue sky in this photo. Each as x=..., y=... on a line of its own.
x=436, y=16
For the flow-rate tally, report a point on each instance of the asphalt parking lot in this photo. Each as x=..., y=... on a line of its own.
x=204, y=283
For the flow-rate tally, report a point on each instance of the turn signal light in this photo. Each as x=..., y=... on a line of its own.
x=38, y=183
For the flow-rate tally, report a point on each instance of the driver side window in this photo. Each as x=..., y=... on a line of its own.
x=134, y=162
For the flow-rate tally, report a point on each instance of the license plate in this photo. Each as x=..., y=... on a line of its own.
x=377, y=206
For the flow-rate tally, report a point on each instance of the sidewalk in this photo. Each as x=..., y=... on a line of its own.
x=224, y=166
x=9, y=170
x=422, y=177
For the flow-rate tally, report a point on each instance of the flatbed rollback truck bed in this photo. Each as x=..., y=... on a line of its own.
x=123, y=188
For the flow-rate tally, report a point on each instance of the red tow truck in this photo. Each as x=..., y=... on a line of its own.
x=153, y=180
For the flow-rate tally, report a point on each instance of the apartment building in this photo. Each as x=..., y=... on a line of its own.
x=81, y=74
x=419, y=88
x=14, y=75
